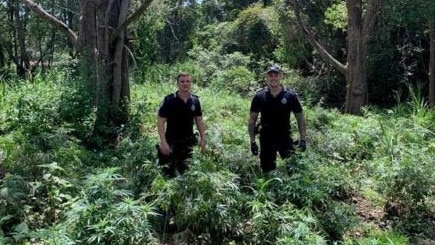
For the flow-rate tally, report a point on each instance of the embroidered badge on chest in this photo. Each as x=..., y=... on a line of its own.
x=284, y=101
x=193, y=107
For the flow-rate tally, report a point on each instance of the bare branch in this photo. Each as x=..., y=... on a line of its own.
x=37, y=9
x=310, y=36
x=132, y=18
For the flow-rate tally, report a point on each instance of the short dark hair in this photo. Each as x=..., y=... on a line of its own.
x=182, y=74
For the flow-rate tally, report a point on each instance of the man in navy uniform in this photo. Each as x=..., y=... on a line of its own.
x=275, y=103
x=175, y=119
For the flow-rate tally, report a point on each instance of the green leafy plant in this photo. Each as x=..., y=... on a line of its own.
x=202, y=200
x=103, y=213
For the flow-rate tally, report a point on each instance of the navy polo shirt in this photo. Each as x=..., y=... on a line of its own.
x=179, y=116
x=275, y=111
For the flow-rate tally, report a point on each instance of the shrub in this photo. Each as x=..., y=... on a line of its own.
x=236, y=79
x=202, y=200
x=105, y=214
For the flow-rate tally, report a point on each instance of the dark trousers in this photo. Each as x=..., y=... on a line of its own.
x=270, y=145
x=178, y=161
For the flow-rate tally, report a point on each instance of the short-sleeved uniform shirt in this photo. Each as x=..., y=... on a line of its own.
x=179, y=116
x=275, y=111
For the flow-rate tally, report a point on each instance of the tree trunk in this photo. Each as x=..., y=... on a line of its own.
x=88, y=49
x=356, y=89
x=23, y=65
x=2, y=60
x=432, y=64
x=107, y=64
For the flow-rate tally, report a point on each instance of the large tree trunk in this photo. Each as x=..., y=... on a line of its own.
x=432, y=64
x=356, y=89
x=107, y=64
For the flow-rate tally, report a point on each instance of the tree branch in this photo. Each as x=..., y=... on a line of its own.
x=327, y=57
x=38, y=10
x=132, y=18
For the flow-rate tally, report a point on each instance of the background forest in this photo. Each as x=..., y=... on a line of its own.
x=80, y=83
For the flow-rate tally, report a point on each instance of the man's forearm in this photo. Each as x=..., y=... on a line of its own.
x=251, y=125
x=200, y=125
x=161, y=129
x=300, y=118
x=251, y=130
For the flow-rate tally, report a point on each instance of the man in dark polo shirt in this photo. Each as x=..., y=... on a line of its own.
x=275, y=103
x=175, y=120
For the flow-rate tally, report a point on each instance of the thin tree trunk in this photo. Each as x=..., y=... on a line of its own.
x=432, y=64
x=118, y=58
x=24, y=63
x=87, y=47
x=2, y=60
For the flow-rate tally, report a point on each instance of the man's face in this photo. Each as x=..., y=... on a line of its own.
x=273, y=79
x=184, y=83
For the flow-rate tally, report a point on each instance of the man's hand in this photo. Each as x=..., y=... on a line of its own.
x=254, y=148
x=202, y=142
x=302, y=145
x=165, y=149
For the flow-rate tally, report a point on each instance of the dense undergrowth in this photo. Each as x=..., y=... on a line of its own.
x=363, y=180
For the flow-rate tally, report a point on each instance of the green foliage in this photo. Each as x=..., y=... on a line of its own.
x=138, y=165
x=104, y=213
x=146, y=39
x=216, y=63
x=386, y=238
x=292, y=47
x=75, y=108
x=337, y=219
x=284, y=225
x=55, y=191
x=214, y=37
x=251, y=33
x=336, y=15
x=173, y=24
x=13, y=192
x=396, y=58
x=407, y=184
x=202, y=200
x=237, y=79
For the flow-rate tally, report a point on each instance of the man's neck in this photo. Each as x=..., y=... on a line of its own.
x=274, y=91
x=183, y=95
